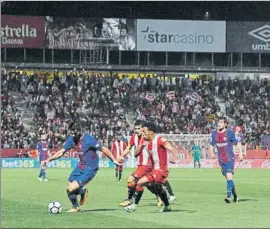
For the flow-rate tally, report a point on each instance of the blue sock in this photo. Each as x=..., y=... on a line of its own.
x=230, y=185
x=80, y=191
x=73, y=199
x=234, y=191
x=44, y=173
x=40, y=173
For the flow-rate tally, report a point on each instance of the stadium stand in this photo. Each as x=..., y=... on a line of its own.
x=102, y=100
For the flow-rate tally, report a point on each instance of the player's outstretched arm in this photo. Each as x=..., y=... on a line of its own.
x=109, y=155
x=58, y=154
x=126, y=152
x=173, y=151
x=140, y=148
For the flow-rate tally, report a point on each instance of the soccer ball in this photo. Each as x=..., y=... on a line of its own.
x=55, y=207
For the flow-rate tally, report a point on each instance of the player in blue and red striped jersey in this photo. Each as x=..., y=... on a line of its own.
x=87, y=147
x=223, y=139
x=43, y=154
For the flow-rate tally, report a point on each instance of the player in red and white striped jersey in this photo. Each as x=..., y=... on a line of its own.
x=144, y=163
x=144, y=167
x=118, y=147
x=157, y=147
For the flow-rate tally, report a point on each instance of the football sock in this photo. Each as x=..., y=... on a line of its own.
x=116, y=172
x=43, y=173
x=120, y=172
x=80, y=191
x=199, y=165
x=120, y=175
x=163, y=194
x=151, y=188
x=73, y=199
x=169, y=188
x=230, y=185
x=138, y=195
x=234, y=190
x=40, y=173
x=131, y=190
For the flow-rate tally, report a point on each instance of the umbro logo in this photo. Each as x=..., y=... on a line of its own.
x=262, y=33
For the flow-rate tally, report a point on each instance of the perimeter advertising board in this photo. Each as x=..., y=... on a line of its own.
x=248, y=37
x=90, y=33
x=181, y=36
x=22, y=32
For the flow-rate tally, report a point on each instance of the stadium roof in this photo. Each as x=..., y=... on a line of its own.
x=217, y=10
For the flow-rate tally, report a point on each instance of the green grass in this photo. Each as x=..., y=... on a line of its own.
x=199, y=201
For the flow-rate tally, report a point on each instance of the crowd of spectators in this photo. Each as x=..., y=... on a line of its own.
x=248, y=102
x=101, y=102
x=10, y=120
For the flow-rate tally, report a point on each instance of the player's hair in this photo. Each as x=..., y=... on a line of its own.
x=138, y=123
x=150, y=126
x=159, y=130
x=225, y=121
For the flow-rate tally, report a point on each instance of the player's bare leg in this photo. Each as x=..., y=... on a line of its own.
x=72, y=195
x=230, y=189
x=131, y=191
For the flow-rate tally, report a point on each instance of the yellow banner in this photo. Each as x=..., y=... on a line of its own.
x=132, y=75
x=210, y=117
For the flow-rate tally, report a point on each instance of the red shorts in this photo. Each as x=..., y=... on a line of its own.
x=141, y=171
x=157, y=176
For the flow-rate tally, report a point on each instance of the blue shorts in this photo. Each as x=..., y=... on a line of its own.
x=227, y=167
x=82, y=176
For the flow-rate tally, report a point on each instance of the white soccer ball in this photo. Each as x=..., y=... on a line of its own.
x=55, y=207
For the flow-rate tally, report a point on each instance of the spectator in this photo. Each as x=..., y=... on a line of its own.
x=178, y=105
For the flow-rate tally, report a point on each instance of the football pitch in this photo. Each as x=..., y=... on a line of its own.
x=199, y=201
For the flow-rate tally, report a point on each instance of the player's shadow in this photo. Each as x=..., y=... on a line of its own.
x=100, y=210
x=245, y=200
x=174, y=210
x=155, y=204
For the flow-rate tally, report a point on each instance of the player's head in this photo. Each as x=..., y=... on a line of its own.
x=75, y=130
x=149, y=130
x=138, y=127
x=222, y=123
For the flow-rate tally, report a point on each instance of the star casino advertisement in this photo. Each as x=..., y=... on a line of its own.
x=90, y=33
